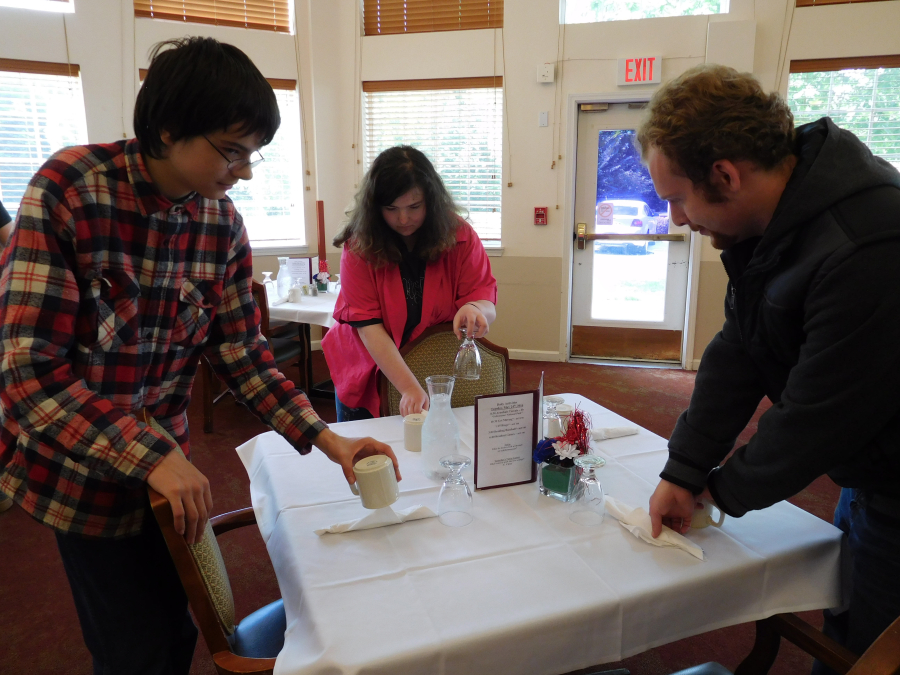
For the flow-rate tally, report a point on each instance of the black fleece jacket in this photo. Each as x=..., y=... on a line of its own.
x=812, y=320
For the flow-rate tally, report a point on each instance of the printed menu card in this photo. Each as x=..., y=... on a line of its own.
x=506, y=427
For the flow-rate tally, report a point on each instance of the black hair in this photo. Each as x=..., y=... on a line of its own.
x=395, y=172
x=198, y=85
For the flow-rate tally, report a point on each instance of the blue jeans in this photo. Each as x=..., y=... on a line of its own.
x=131, y=605
x=345, y=414
x=873, y=544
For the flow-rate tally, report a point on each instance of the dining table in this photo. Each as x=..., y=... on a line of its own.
x=522, y=589
x=312, y=310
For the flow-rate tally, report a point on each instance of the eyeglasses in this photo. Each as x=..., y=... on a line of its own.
x=240, y=163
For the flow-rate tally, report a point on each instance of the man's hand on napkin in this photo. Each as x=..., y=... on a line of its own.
x=348, y=451
x=637, y=521
x=673, y=506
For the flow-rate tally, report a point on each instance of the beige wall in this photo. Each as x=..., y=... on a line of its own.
x=330, y=58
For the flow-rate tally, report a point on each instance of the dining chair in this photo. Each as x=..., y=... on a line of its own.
x=248, y=647
x=287, y=342
x=881, y=658
x=433, y=353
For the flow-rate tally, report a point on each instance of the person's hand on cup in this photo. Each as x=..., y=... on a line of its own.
x=471, y=317
x=413, y=400
x=347, y=451
x=672, y=506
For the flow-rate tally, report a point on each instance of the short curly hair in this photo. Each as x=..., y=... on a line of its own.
x=713, y=112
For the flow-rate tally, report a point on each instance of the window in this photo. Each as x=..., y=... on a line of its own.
x=592, y=11
x=62, y=6
x=41, y=111
x=272, y=203
x=861, y=95
x=261, y=14
x=384, y=17
x=458, y=125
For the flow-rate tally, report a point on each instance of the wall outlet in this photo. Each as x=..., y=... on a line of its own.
x=545, y=72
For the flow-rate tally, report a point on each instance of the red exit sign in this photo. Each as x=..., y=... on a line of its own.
x=640, y=70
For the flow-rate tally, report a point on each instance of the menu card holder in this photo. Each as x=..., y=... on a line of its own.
x=506, y=432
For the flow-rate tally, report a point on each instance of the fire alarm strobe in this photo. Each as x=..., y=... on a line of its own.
x=540, y=215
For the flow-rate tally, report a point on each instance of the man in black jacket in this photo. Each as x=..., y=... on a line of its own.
x=808, y=221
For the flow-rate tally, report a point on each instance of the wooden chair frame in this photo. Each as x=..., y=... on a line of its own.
x=226, y=661
x=882, y=658
x=384, y=384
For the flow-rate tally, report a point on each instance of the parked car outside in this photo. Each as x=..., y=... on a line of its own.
x=629, y=217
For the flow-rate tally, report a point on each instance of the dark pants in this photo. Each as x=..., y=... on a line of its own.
x=345, y=414
x=130, y=602
x=873, y=544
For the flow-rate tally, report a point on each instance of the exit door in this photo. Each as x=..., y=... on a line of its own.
x=630, y=264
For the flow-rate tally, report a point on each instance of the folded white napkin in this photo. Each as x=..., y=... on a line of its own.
x=278, y=301
x=637, y=521
x=380, y=518
x=606, y=433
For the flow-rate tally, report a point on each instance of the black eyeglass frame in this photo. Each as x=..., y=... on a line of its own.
x=237, y=164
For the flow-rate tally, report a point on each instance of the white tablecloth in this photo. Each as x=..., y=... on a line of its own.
x=313, y=309
x=522, y=589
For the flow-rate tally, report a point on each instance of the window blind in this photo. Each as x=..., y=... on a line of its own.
x=260, y=14
x=861, y=95
x=272, y=203
x=386, y=17
x=459, y=129
x=41, y=111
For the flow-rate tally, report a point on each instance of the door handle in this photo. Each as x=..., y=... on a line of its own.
x=580, y=235
x=631, y=237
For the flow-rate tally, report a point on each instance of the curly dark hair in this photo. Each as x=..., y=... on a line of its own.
x=395, y=172
x=198, y=85
x=712, y=112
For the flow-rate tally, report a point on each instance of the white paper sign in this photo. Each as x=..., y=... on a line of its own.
x=604, y=214
x=302, y=269
x=505, y=436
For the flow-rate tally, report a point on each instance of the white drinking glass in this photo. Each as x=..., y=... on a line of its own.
x=455, y=500
x=468, y=359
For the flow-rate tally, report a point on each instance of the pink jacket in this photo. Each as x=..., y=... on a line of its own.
x=461, y=275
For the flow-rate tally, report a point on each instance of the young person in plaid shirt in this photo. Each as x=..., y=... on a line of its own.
x=127, y=262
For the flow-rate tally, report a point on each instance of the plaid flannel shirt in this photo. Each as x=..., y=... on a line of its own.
x=108, y=296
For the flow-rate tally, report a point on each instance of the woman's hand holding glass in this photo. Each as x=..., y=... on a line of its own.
x=472, y=318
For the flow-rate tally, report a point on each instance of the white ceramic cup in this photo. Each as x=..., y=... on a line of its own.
x=295, y=294
x=703, y=516
x=412, y=431
x=376, y=482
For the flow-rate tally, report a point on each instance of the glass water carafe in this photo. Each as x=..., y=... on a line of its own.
x=440, y=432
x=283, y=280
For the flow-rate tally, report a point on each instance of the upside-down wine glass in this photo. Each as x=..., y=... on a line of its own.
x=455, y=500
x=468, y=359
x=589, y=506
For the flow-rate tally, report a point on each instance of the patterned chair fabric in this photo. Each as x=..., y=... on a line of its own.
x=434, y=354
x=209, y=561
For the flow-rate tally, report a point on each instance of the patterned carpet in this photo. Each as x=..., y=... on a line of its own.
x=44, y=638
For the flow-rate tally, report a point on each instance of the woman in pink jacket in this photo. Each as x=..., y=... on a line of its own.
x=409, y=262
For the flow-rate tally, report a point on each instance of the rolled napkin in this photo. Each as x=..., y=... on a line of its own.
x=606, y=433
x=380, y=518
x=637, y=521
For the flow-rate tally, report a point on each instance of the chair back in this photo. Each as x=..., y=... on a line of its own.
x=201, y=569
x=434, y=353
